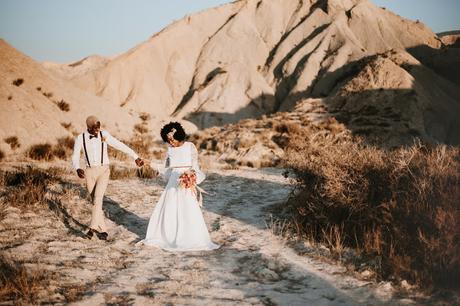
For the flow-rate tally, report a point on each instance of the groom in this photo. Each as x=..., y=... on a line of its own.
x=94, y=143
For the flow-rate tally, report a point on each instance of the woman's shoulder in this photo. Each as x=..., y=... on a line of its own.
x=191, y=145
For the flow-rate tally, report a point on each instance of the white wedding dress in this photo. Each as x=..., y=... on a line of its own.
x=177, y=223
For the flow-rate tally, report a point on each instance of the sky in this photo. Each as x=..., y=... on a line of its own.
x=65, y=31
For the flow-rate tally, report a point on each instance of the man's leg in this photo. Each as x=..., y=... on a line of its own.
x=90, y=176
x=97, y=217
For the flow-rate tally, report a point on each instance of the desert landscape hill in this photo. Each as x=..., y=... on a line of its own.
x=383, y=76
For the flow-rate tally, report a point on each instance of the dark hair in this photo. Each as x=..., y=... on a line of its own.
x=179, y=135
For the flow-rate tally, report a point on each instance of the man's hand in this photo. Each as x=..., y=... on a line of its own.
x=81, y=173
x=139, y=162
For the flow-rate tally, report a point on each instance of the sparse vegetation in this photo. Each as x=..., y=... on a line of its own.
x=10, y=97
x=62, y=150
x=146, y=172
x=42, y=151
x=48, y=94
x=13, y=141
x=120, y=173
x=398, y=207
x=63, y=105
x=144, y=116
x=66, y=125
x=18, y=82
x=141, y=128
x=19, y=286
x=39, y=88
x=2, y=155
x=26, y=188
x=141, y=144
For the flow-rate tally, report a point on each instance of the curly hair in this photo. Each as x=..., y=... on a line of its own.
x=179, y=135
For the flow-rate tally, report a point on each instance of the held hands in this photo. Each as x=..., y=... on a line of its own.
x=81, y=173
x=139, y=162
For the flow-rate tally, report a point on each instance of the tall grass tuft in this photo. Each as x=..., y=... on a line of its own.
x=400, y=206
x=26, y=188
x=17, y=285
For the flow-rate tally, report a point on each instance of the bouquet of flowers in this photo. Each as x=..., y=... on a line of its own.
x=188, y=180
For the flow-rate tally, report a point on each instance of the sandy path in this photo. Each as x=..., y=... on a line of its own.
x=253, y=266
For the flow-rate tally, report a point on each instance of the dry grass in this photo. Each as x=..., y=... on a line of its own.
x=121, y=173
x=43, y=151
x=26, y=188
x=17, y=285
x=62, y=150
x=141, y=128
x=144, y=145
x=398, y=206
x=66, y=125
x=48, y=94
x=18, y=82
x=63, y=105
x=13, y=141
x=144, y=116
x=64, y=147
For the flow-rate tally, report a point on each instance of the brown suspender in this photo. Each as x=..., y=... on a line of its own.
x=86, y=152
x=102, y=149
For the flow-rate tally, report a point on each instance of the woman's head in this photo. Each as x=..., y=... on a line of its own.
x=173, y=131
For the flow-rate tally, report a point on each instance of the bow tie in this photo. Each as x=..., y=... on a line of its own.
x=92, y=136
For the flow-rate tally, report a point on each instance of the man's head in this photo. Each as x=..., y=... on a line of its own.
x=93, y=124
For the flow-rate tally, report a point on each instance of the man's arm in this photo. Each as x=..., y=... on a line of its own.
x=76, y=152
x=76, y=156
x=113, y=142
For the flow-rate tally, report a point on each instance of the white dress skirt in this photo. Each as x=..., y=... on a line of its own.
x=177, y=223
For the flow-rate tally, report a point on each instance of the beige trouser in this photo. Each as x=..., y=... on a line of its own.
x=97, y=178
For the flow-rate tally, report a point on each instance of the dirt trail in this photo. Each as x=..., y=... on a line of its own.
x=253, y=266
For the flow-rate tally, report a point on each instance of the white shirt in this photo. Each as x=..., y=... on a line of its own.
x=93, y=149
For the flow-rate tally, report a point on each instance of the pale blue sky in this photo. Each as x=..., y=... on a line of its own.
x=66, y=30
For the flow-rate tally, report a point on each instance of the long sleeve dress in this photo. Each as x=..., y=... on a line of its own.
x=177, y=223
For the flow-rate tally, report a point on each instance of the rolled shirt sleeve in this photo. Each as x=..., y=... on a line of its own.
x=115, y=143
x=77, y=151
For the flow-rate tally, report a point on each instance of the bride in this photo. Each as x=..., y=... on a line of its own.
x=177, y=223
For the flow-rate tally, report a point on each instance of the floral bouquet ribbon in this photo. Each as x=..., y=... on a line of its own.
x=187, y=180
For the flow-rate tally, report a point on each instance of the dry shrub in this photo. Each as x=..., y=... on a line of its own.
x=42, y=151
x=141, y=128
x=141, y=144
x=26, y=188
x=62, y=150
x=10, y=97
x=66, y=125
x=64, y=147
x=400, y=207
x=120, y=173
x=18, y=82
x=144, y=116
x=63, y=106
x=48, y=94
x=13, y=141
x=146, y=172
x=17, y=285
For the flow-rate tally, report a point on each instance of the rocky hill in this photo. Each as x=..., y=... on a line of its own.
x=381, y=75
